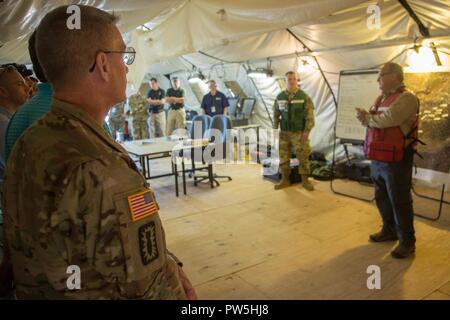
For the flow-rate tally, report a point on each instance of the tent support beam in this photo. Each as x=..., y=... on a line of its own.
x=260, y=96
x=318, y=65
x=424, y=31
x=216, y=58
x=358, y=47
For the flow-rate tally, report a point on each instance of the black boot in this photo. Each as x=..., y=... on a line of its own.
x=383, y=236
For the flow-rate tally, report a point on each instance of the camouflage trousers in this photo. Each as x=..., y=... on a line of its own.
x=140, y=129
x=176, y=120
x=157, y=124
x=289, y=141
x=115, y=126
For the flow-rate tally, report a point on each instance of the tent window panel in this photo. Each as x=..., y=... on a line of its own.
x=199, y=89
x=235, y=90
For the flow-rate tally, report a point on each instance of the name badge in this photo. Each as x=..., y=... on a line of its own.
x=213, y=109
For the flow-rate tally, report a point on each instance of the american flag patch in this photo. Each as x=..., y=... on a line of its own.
x=142, y=205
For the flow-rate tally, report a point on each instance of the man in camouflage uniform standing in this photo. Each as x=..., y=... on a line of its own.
x=116, y=119
x=294, y=113
x=138, y=110
x=75, y=203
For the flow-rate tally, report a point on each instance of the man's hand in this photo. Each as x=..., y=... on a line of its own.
x=188, y=288
x=361, y=115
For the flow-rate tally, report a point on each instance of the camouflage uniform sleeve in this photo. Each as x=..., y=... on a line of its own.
x=81, y=233
x=100, y=237
x=309, y=114
x=276, y=114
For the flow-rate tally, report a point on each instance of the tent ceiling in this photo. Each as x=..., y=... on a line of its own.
x=180, y=27
x=233, y=30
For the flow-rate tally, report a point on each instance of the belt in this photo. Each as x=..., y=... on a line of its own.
x=176, y=108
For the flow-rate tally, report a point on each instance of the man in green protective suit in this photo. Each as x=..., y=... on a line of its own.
x=294, y=114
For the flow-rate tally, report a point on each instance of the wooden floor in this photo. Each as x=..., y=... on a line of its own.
x=243, y=240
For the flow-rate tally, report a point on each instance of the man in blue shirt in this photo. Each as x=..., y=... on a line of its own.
x=34, y=108
x=13, y=93
x=215, y=101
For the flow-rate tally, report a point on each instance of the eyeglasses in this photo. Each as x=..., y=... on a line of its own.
x=128, y=56
x=384, y=74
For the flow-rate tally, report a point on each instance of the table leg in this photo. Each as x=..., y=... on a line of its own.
x=142, y=162
x=210, y=175
x=184, y=176
x=148, y=166
x=175, y=172
x=257, y=146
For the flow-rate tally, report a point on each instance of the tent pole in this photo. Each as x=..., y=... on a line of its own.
x=318, y=65
x=260, y=96
x=424, y=31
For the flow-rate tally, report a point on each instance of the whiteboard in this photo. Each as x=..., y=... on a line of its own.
x=357, y=89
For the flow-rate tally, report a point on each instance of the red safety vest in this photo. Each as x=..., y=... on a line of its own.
x=388, y=144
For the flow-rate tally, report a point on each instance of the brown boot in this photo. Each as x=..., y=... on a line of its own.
x=285, y=182
x=306, y=183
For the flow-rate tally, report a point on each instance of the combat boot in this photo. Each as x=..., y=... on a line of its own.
x=285, y=182
x=306, y=183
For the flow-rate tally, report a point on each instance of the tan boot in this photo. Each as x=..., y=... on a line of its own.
x=285, y=182
x=306, y=183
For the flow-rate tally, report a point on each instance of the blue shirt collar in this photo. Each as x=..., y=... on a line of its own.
x=44, y=88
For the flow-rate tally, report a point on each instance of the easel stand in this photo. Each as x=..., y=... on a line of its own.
x=440, y=200
x=346, y=144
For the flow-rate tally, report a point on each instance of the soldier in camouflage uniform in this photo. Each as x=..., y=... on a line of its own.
x=116, y=119
x=73, y=196
x=294, y=113
x=138, y=110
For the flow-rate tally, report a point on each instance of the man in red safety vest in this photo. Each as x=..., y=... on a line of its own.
x=392, y=133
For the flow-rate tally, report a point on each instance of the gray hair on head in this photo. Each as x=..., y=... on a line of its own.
x=395, y=69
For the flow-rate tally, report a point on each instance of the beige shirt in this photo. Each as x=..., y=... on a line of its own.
x=401, y=113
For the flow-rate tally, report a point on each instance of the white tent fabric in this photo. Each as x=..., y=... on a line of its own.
x=232, y=34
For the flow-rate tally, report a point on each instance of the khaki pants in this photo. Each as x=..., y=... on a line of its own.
x=176, y=120
x=289, y=141
x=157, y=124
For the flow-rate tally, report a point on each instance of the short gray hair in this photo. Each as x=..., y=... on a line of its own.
x=396, y=70
x=66, y=54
